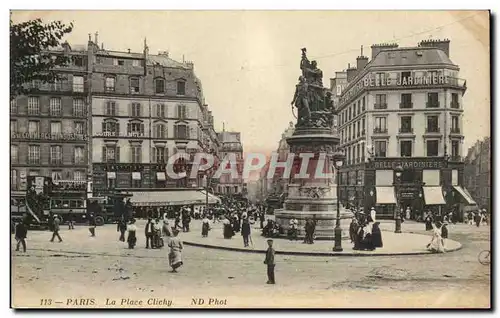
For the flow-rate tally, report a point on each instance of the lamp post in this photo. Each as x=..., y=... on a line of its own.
x=399, y=171
x=338, y=162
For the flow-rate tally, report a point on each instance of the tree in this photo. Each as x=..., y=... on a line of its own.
x=31, y=58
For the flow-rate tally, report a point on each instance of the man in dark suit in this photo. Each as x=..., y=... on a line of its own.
x=269, y=261
x=149, y=233
x=21, y=233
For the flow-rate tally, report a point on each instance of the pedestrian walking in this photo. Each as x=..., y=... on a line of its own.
x=444, y=233
x=55, y=229
x=71, y=221
x=477, y=219
x=262, y=217
x=132, y=238
x=245, y=231
x=157, y=240
x=122, y=228
x=270, y=262
x=21, y=233
x=92, y=225
x=175, y=255
x=149, y=230
x=205, y=226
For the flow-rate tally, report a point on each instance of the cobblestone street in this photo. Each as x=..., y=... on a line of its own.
x=102, y=267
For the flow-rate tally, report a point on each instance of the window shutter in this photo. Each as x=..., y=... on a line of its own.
x=131, y=156
x=153, y=155
x=117, y=155
x=103, y=126
x=139, y=110
x=176, y=131
x=113, y=108
x=187, y=132
x=103, y=154
x=106, y=110
x=129, y=128
x=142, y=129
x=140, y=154
x=117, y=127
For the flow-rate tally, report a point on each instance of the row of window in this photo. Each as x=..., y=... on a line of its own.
x=357, y=129
x=56, y=154
x=135, y=110
x=359, y=106
x=356, y=153
x=135, y=86
x=78, y=175
x=136, y=129
x=55, y=107
x=55, y=127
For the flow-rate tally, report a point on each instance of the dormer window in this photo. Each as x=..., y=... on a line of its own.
x=181, y=88
x=159, y=86
x=110, y=84
x=134, y=86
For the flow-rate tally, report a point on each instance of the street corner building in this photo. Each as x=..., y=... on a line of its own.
x=113, y=123
x=400, y=126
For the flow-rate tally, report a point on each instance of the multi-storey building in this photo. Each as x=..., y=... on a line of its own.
x=116, y=119
x=280, y=184
x=230, y=144
x=403, y=108
x=48, y=127
x=145, y=108
x=477, y=172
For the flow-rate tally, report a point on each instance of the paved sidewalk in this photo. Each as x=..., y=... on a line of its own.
x=394, y=243
x=106, y=242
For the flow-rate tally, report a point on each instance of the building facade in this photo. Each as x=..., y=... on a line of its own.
x=230, y=144
x=477, y=173
x=145, y=108
x=402, y=109
x=115, y=121
x=48, y=127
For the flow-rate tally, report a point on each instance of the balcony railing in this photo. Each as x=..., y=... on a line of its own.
x=406, y=130
x=56, y=87
x=432, y=104
x=380, y=130
x=34, y=161
x=56, y=161
x=380, y=106
x=432, y=130
x=406, y=105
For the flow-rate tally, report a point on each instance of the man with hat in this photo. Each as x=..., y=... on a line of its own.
x=269, y=261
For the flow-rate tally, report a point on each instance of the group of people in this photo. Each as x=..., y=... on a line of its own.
x=364, y=231
x=478, y=218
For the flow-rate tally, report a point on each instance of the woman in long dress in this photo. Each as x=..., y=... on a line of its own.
x=175, y=256
x=428, y=222
x=205, y=227
x=131, y=238
x=436, y=244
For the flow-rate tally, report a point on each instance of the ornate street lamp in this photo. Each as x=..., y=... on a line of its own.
x=399, y=172
x=338, y=160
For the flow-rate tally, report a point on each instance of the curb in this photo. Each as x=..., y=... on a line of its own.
x=349, y=254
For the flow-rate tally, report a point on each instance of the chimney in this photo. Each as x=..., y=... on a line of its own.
x=95, y=38
x=443, y=45
x=376, y=48
x=361, y=61
x=351, y=72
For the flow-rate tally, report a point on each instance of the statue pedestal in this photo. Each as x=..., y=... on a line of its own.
x=314, y=197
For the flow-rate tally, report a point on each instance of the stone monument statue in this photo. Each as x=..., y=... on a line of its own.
x=314, y=105
x=313, y=198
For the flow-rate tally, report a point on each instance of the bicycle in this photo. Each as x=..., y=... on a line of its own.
x=484, y=257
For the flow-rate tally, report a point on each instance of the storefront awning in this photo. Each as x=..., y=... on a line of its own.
x=465, y=195
x=433, y=196
x=385, y=195
x=171, y=198
x=136, y=176
x=111, y=175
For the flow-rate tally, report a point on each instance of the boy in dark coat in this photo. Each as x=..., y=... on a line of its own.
x=269, y=261
x=149, y=231
x=122, y=228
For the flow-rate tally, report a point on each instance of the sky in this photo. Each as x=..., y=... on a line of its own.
x=248, y=61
